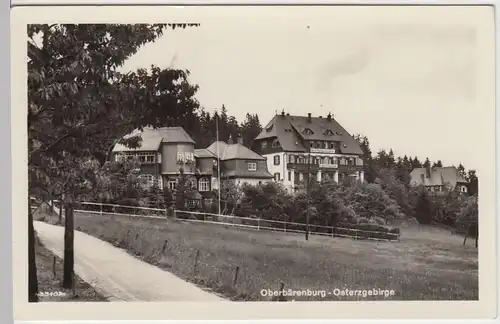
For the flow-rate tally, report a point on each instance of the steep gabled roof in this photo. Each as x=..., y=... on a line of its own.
x=233, y=151
x=153, y=137
x=436, y=176
x=291, y=130
x=282, y=129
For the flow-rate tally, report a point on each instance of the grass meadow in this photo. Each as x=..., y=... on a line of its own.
x=427, y=264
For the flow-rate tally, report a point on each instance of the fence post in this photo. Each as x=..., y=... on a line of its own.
x=258, y=224
x=285, y=226
x=332, y=230
x=101, y=207
x=196, y=262
x=236, y=271
x=54, y=267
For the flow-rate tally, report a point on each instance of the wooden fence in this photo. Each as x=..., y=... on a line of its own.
x=232, y=221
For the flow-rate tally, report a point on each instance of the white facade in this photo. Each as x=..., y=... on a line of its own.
x=287, y=176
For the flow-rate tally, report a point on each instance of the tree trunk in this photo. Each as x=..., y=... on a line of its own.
x=60, y=211
x=466, y=234
x=69, y=254
x=51, y=204
x=32, y=275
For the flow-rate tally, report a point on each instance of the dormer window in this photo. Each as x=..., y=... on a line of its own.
x=307, y=131
x=328, y=133
x=276, y=143
x=268, y=129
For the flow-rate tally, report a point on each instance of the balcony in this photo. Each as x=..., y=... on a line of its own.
x=328, y=166
x=304, y=167
x=323, y=150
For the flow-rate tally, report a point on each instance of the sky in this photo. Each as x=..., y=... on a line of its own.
x=405, y=77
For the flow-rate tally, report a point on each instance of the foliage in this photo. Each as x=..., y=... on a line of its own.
x=79, y=104
x=270, y=200
x=230, y=196
x=423, y=209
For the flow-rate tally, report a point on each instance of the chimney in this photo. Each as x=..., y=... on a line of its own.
x=230, y=140
x=428, y=172
x=283, y=112
x=329, y=117
x=309, y=117
x=288, y=114
x=239, y=140
x=320, y=116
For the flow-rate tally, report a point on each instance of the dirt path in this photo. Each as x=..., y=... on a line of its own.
x=118, y=275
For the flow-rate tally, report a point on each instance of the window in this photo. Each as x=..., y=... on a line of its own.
x=318, y=144
x=119, y=157
x=204, y=184
x=289, y=175
x=188, y=156
x=332, y=145
x=277, y=176
x=180, y=157
x=172, y=184
x=311, y=143
x=263, y=145
x=292, y=158
x=276, y=160
x=252, y=166
x=307, y=131
x=325, y=145
x=276, y=143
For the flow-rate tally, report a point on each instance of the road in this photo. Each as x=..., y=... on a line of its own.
x=118, y=275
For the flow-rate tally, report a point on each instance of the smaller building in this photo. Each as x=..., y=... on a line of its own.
x=238, y=163
x=438, y=178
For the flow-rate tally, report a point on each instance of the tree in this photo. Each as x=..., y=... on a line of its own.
x=423, y=209
x=469, y=218
x=250, y=129
x=369, y=165
x=427, y=163
x=230, y=196
x=473, y=181
x=79, y=104
x=415, y=163
x=461, y=171
x=437, y=164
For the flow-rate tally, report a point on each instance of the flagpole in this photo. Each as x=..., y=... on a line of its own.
x=218, y=155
